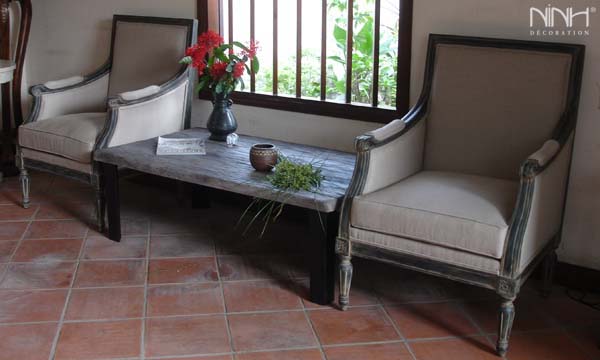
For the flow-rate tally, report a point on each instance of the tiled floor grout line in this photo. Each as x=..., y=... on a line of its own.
x=145, y=305
x=67, y=300
x=17, y=246
x=226, y=312
x=397, y=329
x=312, y=328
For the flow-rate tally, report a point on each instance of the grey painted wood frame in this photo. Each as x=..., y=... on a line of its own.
x=113, y=104
x=510, y=279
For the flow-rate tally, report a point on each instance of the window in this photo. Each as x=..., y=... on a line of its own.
x=312, y=61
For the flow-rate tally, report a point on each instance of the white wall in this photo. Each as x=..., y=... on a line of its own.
x=71, y=37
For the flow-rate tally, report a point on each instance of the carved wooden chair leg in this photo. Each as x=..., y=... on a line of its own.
x=24, y=178
x=100, y=205
x=548, y=273
x=507, y=317
x=345, y=281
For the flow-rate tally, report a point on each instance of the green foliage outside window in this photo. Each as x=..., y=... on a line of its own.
x=362, y=60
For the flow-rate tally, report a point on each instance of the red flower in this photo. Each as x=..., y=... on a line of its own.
x=252, y=50
x=218, y=69
x=238, y=70
x=210, y=40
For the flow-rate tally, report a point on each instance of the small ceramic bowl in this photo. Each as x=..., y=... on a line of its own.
x=264, y=157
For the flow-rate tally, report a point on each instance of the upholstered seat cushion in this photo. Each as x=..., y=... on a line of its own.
x=70, y=136
x=458, y=211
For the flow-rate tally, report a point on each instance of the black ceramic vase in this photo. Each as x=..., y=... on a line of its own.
x=221, y=121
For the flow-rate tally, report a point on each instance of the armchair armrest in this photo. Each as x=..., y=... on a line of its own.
x=538, y=214
x=63, y=83
x=146, y=113
x=76, y=94
x=140, y=94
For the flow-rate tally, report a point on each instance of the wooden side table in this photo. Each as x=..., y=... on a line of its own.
x=7, y=69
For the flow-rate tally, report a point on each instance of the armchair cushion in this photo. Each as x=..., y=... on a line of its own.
x=70, y=136
x=458, y=211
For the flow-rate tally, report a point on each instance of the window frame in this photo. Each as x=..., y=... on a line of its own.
x=346, y=110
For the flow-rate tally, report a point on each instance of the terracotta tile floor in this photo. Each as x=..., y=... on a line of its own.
x=184, y=285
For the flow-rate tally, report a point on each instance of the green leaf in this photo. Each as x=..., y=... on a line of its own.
x=337, y=59
x=242, y=84
x=202, y=83
x=219, y=88
x=240, y=45
x=364, y=38
x=186, y=60
x=340, y=35
x=255, y=65
x=229, y=68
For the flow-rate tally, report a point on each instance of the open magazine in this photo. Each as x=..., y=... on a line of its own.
x=184, y=146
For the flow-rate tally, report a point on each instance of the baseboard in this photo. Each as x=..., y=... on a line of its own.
x=577, y=277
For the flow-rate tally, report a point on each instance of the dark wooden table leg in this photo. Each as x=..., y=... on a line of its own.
x=200, y=197
x=110, y=179
x=323, y=230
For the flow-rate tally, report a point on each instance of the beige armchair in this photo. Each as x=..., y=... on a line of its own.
x=141, y=92
x=470, y=185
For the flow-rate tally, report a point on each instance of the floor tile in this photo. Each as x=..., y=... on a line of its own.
x=527, y=316
x=308, y=354
x=186, y=299
x=435, y=320
x=395, y=351
x=455, y=349
x=207, y=357
x=360, y=295
x=16, y=212
x=352, y=326
x=235, y=267
x=48, y=250
x=100, y=247
x=110, y=273
x=569, y=312
x=135, y=227
x=6, y=250
x=164, y=225
x=12, y=230
x=83, y=211
x=186, y=336
x=31, y=342
x=396, y=286
x=588, y=340
x=186, y=270
x=31, y=306
x=99, y=340
x=269, y=331
x=56, y=229
x=544, y=345
x=180, y=246
x=260, y=295
x=106, y=303
x=38, y=276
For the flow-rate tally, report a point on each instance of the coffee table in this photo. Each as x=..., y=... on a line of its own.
x=228, y=168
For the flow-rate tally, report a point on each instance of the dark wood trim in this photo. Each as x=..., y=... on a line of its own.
x=404, y=56
x=376, y=46
x=310, y=106
x=252, y=39
x=298, y=48
x=22, y=42
x=109, y=175
x=321, y=255
x=275, y=48
x=363, y=112
x=324, y=50
x=230, y=20
x=203, y=21
x=349, y=50
x=577, y=277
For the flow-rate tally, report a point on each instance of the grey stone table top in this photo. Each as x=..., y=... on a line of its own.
x=228, y=168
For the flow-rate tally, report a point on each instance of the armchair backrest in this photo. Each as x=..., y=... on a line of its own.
x=492, y=103
x=146, y=51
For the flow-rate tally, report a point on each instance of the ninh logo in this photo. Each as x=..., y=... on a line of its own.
x=554, y=21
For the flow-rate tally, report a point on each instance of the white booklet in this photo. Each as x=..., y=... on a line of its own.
x=185, y=146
